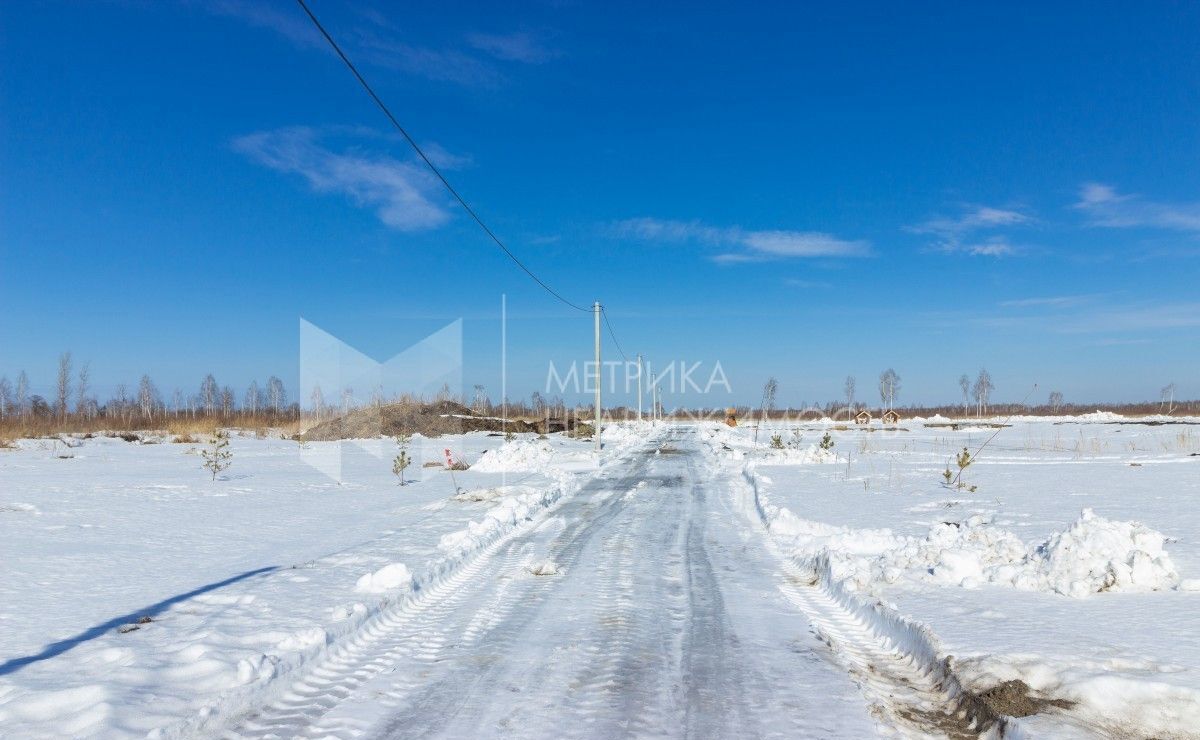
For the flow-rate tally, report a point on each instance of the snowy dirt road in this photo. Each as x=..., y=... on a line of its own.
x=659, y=611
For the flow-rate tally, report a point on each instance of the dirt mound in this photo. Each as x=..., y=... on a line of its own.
x=429, y=420
x=1016, y=699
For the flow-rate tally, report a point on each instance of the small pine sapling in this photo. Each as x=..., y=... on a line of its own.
x=218, y=457
x=964, y=460
x=509, y=436
x=776, y=441
x=402, y=460
x=797, y=438
x=827, y=442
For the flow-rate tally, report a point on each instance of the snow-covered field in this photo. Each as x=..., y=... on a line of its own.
x=277, y=596
x=1074, y=565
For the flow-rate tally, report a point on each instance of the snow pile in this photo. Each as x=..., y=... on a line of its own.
x=517, y=455
x=543, y=568
x=388, y=578
x=1100, y=416
x=623, y=435
x=1096, y=554
x=1093, y=555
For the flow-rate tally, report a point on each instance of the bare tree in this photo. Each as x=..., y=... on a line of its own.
x=209, y=393
x=1056, y=401
x=849, y=388
x=538, y=403
x=1168, y=399
x=318, y=400
x=83, y=403
x=147, y=397
x=177, y=400
x=480, y=403
x=889, y=387
x=250, y=402
x=22, y=395
x=63, y=387
x=227, y=404
x=768, y=404
x=982, y=390
x=964, y=383
x=276, y=394
x=6, y=397
x=347, y=399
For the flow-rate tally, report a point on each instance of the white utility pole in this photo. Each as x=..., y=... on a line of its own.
x=596, y=430
x=653, y=397
x=639, y=387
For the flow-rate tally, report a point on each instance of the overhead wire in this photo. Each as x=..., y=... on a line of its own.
x=432, y=167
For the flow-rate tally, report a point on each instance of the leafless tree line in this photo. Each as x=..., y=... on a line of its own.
x=73, y=402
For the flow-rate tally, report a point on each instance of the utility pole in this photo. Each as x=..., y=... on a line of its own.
x=653, y=397
x=596, y=430
x=639, y=387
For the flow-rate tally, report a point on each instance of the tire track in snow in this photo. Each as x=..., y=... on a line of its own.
x=893, y=660
x=417, y=631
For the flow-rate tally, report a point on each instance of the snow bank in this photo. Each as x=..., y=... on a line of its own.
x=508, y=512
x=388, y=578
x=1093, y=555
x=515, y=456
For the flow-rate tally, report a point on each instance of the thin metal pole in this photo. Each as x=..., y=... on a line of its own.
x=639, y=387
x=503, y=363
x=596, y=430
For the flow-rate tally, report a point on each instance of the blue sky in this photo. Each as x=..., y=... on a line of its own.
x=799, y=191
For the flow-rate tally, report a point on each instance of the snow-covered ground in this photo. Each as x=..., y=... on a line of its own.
x=1074, y=565
x=688, y=582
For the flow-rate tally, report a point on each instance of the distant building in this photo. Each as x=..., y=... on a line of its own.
x=863, y=417
x=891, y=418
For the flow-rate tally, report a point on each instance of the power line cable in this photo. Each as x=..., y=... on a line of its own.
x=383, y=107
x=611, y=333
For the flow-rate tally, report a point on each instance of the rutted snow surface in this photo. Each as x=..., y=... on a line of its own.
x=503, y=607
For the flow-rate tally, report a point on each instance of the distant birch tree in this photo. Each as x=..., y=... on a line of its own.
x=849, y=388
x=147, y=397
x=210, y=394
x=318, y=400
x=84, y=406
x=22, y=394
x=964, y=384
x=1168, y=399
x=250, y=402
x=6, y=397
x=982, y=390
x=1056, y=401
x=889, y=387
x=276, y=394
x=62, y=395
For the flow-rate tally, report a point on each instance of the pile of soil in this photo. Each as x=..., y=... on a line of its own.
x=1016, y=699
x=428, y=420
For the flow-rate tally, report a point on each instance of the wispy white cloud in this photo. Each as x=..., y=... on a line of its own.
x=291, y=25
x=404, y=195
x=371, y=38
x=521, y=46
x=742, y=245
x=954, y=234
x=1090, y=318
x=806, y=284
x=1058, y=301
x=1104, y=206
x=439, y=65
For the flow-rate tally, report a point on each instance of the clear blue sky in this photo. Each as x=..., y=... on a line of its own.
x=799, y=191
